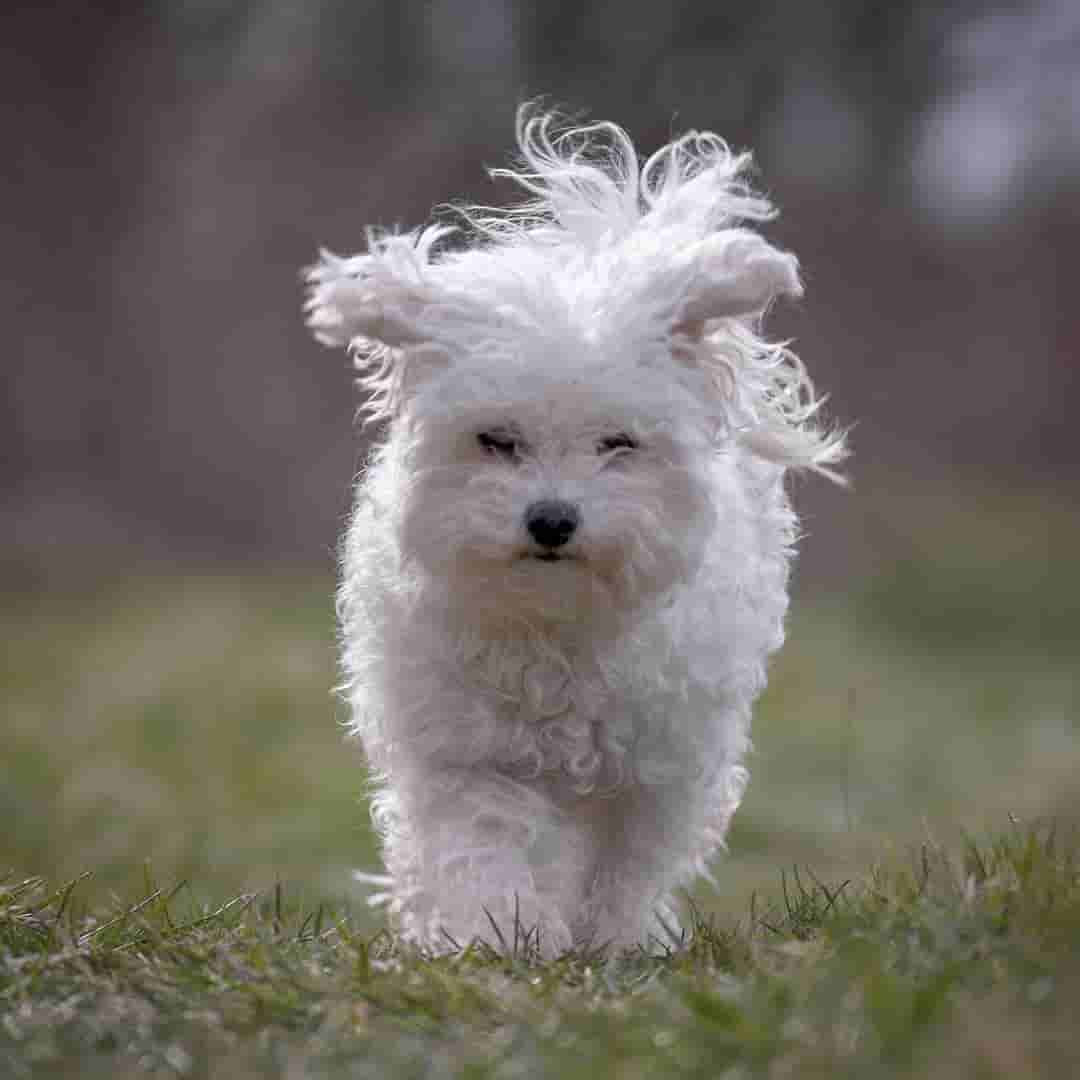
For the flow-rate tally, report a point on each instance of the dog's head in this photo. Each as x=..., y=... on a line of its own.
x=570, y=394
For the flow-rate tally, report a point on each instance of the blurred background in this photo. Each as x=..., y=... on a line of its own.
x=176, y=454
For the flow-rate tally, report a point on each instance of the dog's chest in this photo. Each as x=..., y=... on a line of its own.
x=570, y=729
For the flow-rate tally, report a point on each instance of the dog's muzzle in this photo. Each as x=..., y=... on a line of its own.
x=551, y=523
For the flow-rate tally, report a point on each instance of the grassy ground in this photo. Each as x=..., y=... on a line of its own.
x=180, y=728
x=955, y=966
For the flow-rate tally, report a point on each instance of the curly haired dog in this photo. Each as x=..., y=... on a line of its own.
x=568, y=560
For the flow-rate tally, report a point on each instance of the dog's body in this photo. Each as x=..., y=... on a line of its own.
x=568, y=560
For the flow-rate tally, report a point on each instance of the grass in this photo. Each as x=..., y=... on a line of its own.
x=955, y=964
x=187, y=722
x=180, y=727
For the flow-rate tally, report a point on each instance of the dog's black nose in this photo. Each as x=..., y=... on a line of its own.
x=552, y=522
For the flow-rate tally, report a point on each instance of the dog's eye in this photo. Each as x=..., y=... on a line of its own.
x=613, y=443
x=499, y=444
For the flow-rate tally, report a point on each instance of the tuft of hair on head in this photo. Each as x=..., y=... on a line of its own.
x=587, y=184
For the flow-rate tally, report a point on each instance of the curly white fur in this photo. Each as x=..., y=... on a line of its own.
x=558, y=719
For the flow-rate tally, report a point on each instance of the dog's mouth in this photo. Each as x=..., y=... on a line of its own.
x=546, y=556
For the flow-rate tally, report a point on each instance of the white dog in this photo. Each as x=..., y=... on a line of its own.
x=568, y=560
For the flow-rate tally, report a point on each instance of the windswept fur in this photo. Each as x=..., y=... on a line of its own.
x=558, y=712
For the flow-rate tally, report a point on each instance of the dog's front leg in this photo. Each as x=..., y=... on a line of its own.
x=473, y=861
x=640, y=855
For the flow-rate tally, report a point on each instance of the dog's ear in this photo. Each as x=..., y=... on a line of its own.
x=771, y=403
x=377, y=298
x=737, y=274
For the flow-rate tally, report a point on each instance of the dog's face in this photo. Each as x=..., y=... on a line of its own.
x=536, y=495
x=571, y=394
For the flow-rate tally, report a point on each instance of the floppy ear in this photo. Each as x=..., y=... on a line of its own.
x=377, y=298
x=737, y=274
x=770, y=400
